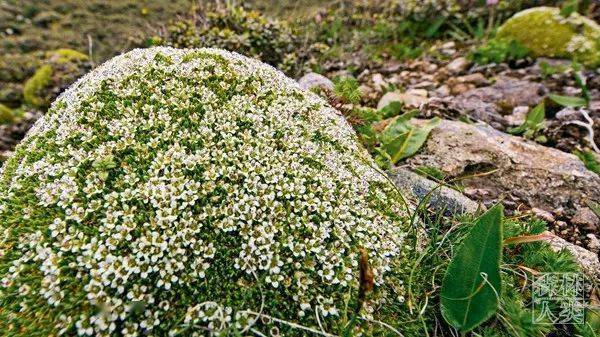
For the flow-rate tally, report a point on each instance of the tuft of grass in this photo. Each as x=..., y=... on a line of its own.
x=498, y=51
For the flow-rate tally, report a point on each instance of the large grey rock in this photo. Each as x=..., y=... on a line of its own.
x=508, y=168
x=440, y=198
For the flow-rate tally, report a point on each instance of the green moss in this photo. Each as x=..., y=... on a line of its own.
x=67, y=55
x=40, y=80
x=545, y=32
x=6, y=114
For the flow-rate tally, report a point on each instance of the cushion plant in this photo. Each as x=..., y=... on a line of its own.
x=180, y=192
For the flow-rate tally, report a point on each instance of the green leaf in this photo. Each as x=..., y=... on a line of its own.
x=401, y=139
x=533, y=122
x=569, y=8
x=568, y=101
x=467, y=298
x=537, y=114
x=391, y=110
x=589, y=160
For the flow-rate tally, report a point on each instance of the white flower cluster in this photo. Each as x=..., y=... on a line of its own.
x=175, y=191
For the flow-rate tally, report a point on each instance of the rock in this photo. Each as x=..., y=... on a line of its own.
x=315, y=81
x=409, y=100
x=509, y=168
x=586, y=219
x=544, y=215
x=458, y=88
x=587, y=260
x=442, y=91
x=518, y=116
x=476, y=78
x=489, y=104
x=417, y=92
x=593, y=243
x=423, y=85
x=378, y=82
x=11, y=134
x=458, y=65
x=443, y=199
x=545, y=32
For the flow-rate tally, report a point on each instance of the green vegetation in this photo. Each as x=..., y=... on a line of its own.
x=498, y=51
x=7, y=114
x=534, y=123
x=471, y=286
x=219, y=249
x=545, y=32
x=234, y=28
x=32, y=90
x=589, y=160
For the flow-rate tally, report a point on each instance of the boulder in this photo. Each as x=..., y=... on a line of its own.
x=182, y=191
x=509, y=169
x=439, y=198
x=545, y=32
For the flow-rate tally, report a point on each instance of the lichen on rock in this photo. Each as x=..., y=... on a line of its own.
x=545, y=32
x=178, y=191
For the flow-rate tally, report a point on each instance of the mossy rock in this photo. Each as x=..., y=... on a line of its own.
x=7, y=115
x=175, y=192
x=34, y=87
x=58, y=70
x=545, y=32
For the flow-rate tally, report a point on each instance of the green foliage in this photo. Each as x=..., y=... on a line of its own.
x=38, y=82
x=346, y=88
x=534, y=122
x=402, y=139
x=7, y=114
x=568, y=101
x=64, y=55
x=589, y=160
x=236, y=29
x=548, y=70
x=545, y=32
x=518, y=319
x=498, y=51
x=472, y=283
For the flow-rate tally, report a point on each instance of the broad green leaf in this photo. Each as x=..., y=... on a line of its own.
x=472, y=281
x=408, y=138
x=568, y=101
x=417, y=138
x=391, y=110
x=533, y=122
x=398, y=126
x=397, y=146
x=569, y=8
x=537, y=114
x=589, y=160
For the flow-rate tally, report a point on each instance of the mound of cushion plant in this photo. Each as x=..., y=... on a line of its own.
x=545, y=32
x=180, y=192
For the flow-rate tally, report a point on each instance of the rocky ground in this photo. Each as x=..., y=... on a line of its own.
x=478, y=104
